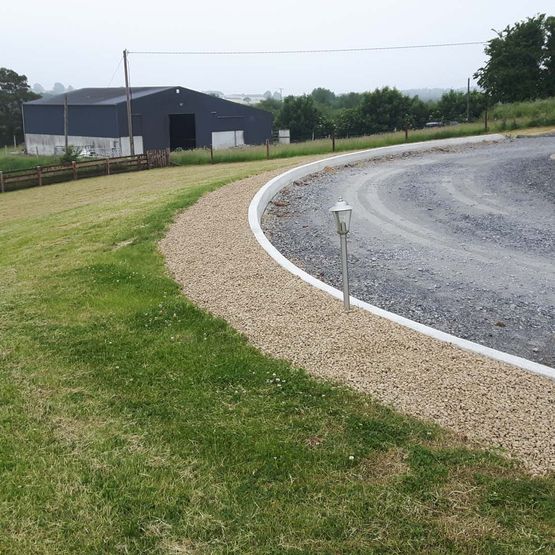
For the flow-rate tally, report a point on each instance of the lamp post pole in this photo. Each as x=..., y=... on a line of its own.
x=344, y=268
x=342, y=214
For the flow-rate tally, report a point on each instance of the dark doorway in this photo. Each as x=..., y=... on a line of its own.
x=182, y=131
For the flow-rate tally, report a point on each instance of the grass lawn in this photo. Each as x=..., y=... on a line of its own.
x=132, y=422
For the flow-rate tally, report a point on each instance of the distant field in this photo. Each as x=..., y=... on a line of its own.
x=133, y=422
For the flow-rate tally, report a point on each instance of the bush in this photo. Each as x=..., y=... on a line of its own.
x=71, y=154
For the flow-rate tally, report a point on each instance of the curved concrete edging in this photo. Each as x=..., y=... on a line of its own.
x=263, y=197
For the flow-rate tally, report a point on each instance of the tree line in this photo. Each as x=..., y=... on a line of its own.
x=520, y=67
x=322, y=112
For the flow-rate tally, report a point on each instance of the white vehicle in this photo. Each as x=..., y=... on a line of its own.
x=87, y=152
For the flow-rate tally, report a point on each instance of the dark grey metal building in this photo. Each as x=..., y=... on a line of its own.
x=163, y=117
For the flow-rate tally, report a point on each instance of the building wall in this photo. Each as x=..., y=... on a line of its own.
x=211, y=114
x=83, y=121
x=227, y=139
x=110, y=147
x=150, y=121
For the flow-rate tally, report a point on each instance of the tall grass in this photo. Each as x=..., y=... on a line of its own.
x=533, y=109
x=320, y=146
x=11, y=162
x=536, y=113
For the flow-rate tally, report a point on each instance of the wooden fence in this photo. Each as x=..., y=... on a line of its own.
x=58, y=173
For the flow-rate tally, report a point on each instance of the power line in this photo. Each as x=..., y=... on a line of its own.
x=313, y=51
x=114, y=74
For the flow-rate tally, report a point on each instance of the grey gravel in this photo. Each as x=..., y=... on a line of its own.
x=461, y=239
x=213, y=255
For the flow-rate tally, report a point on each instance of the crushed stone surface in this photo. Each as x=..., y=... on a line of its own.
x=459, y=238
x=220, y=266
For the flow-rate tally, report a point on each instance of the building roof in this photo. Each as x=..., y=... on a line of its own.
x=99, y=96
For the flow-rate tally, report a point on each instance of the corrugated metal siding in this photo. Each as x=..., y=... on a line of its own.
x=89, y=121
x=151, y=118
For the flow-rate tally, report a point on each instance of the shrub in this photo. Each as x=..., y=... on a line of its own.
x=71, y=154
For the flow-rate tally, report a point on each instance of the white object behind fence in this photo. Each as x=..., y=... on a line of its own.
x=227, y=139
x=284, y=137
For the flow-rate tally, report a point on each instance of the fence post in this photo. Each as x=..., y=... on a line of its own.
x=406, y=133
x=486, y=129
x=267, y=149
x=333, y=141
x=39, y=175
x=74, y=168
x=107, y=166
x=2, y=182
x=211, y=154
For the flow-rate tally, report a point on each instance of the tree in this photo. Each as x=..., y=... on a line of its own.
x=384, y=110
x=419, y=112
x=548, y=85
x=452, y=106
x=520, y=64
x=349, y=100
x=270, y=105
x=348, y=122
x=323, y=96
x=300, y=116
x=14, y=90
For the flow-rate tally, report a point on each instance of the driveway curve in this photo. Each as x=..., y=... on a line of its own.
x=220, y=266
x=460, y=238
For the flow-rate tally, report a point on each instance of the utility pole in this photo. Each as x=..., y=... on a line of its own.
x=128, y=97
x=468, y=101
x=66, y=144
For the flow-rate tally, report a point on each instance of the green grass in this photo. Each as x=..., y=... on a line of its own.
x=11, y=162
x=324, y=146
x=536, y=114
x=320, y=146
x=133, y=422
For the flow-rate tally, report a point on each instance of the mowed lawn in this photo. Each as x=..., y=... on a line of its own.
x=132, y=422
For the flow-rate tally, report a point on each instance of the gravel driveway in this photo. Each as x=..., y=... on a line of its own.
x=461, y=239
x=213, y=255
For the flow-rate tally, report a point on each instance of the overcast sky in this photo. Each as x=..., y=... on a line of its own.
x=80, y=43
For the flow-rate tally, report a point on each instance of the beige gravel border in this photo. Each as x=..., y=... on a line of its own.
x=213, y=255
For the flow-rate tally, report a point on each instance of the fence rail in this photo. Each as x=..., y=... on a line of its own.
x=58, y=173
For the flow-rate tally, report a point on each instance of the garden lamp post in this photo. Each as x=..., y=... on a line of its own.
x=342, y=214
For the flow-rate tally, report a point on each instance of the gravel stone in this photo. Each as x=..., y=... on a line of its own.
x=458, y=238
x=213, y=255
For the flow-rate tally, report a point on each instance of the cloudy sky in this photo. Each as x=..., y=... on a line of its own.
x=80, y=43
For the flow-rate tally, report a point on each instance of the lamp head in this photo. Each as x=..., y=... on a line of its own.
x=342, y=214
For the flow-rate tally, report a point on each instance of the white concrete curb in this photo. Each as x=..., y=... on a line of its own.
x=269, y=190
